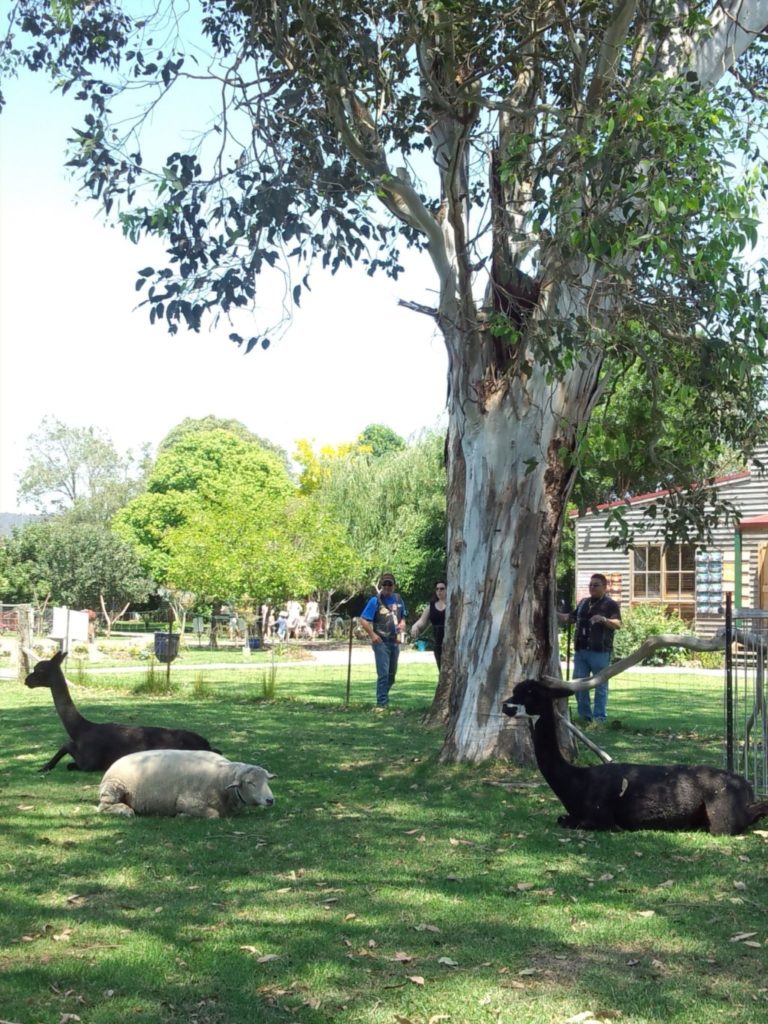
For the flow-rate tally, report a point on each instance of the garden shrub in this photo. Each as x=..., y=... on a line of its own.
x=646, y=620
x=711, y=659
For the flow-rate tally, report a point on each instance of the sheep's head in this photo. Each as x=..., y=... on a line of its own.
x=251, y=786
x=532, y=697
x=44, y=672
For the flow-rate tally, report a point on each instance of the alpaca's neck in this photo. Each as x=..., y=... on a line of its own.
x=552, y=765
x=70, y=717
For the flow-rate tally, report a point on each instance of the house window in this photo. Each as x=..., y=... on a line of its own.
x=666, y=574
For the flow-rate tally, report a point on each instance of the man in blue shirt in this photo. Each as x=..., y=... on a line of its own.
x=383, y=619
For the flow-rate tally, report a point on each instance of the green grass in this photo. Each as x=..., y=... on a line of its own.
x=382, y=886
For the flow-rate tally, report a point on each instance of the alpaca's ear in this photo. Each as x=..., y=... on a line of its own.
x=58, y=657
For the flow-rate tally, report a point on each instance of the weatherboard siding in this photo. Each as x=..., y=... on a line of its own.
x=748, y=491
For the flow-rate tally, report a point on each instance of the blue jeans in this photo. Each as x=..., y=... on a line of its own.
x=386, y=654
x=585, y=664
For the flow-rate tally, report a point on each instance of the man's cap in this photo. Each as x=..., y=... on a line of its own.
x=386, y=577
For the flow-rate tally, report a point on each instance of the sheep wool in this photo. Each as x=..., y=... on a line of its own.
x=192, y=783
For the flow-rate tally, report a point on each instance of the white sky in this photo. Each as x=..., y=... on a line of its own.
x=72, y=344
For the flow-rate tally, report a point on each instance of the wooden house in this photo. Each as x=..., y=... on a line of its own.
x=691, y=578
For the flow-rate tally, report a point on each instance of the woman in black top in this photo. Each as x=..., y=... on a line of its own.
x=434, y=616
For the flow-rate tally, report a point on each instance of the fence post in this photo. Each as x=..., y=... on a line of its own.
x=729, y=681
x=349, y=659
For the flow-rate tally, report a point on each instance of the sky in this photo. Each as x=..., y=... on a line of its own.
x=74, y=346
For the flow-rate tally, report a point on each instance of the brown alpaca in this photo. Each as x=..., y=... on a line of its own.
x=94, y=746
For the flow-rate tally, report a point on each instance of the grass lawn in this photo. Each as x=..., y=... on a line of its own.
x=382, y=887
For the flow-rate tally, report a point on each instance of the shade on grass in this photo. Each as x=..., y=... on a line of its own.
x=382, y=885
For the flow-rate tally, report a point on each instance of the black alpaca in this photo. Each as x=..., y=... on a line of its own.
x=96, y=745
x=633, y=796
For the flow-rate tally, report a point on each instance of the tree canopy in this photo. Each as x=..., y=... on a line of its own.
x=201, y=469
x=78, y=470
x=81, y=565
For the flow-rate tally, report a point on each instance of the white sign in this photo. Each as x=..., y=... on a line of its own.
x=69, y=627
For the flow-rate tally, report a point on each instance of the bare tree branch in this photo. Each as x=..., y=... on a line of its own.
x=653, y=643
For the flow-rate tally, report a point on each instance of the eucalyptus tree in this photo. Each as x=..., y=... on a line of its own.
x=78, y=471
x=563, y=166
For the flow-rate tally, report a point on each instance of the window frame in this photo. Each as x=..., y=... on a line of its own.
x=674, y=564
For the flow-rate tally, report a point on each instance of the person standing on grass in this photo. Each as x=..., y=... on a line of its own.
x=597, y=618
x=434, y=616
x=383, y=619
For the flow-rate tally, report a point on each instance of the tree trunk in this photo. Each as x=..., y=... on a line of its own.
x=509, y=477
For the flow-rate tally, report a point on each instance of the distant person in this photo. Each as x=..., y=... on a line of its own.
x=294, y=617
x=434, y=616
x=383, y=619
x=312, y=615
x=266, y=624
x=597, y=618
x=281, y=627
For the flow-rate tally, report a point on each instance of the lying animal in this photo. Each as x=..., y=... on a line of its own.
x=633, y=796
x=194, y=783
x=96, y=745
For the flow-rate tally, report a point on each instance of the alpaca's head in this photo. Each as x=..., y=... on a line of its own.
x=44, y=672
x=532, y=698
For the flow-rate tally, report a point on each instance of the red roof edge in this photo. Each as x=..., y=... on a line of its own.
x=754, y=523
x=637, y=498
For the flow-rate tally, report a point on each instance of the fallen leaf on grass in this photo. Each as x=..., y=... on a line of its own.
x=524, y=886
x=63, y=936
x=67, y=1018
x=401, y=957
x=741, y=886
x=646, y=913
x=416, y=979
x=25, y=807
x=426, y=928
x=741, y=936
x=250, y=949
x=267, y=958
x=527, y=971
x=447, y=962
x=461, y=842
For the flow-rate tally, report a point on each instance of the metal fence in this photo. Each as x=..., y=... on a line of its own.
x=746, y=721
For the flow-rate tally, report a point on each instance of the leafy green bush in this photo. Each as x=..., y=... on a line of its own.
x=711, y=659
x=646, y=620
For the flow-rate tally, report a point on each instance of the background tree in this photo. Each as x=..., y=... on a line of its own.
x=78, y=565
x=200, y=469
x=259, y=548
x=393, y=512
x=25, y=574
x=578, y=187
x=194, y=426
x=78, y=470
x=318, y=464
x=381, y=440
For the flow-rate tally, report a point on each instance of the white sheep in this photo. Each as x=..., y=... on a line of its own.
x=195, y=783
